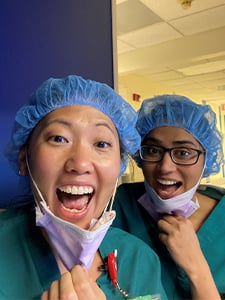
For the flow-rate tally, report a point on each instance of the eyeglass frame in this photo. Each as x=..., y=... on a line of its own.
x=169, y=150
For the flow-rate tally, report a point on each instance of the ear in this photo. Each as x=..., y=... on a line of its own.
x=22, y=161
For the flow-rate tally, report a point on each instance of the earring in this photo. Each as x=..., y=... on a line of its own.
x=19, y=172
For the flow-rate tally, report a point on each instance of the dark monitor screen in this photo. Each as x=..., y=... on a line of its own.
x=42, y=39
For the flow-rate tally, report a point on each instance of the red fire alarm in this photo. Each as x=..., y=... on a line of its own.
x=136, y=97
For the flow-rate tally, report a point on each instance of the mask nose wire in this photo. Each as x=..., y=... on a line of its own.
x=34, y=183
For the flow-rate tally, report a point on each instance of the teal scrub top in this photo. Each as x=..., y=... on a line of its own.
x=132, y=217
x=27, y=265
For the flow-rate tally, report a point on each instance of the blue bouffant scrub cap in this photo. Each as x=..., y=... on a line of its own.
x=178, y=111
x=74, y=90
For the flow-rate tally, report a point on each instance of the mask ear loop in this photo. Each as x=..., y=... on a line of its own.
x=34, y=183
x=111, y=201
x=106, y=215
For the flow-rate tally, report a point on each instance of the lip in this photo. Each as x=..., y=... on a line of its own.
x=74, y=201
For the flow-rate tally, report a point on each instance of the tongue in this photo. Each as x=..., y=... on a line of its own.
x=75, y=202
x=167, y=191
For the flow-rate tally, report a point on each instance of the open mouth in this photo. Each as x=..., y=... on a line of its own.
x=75, y=199
x=167, y=188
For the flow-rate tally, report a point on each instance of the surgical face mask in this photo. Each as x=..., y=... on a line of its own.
x=181, y=205
x=72, y=244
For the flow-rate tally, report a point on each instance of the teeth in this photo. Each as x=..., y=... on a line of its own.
x=76, y=190
x=166, y=182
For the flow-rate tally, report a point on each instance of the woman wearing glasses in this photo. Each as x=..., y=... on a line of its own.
x=181, y=220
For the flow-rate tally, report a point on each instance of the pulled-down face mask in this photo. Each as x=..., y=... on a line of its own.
x=72, y=244
x=181, y=205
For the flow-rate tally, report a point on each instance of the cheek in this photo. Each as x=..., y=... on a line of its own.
x=108, y=175
x=148, y=171
x=42, y=165
x=190, y=179
x=192, y=176
x=110, y=172
x=110, y=166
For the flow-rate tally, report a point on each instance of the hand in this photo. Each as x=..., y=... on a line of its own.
x=74, y=285
x=179, y=236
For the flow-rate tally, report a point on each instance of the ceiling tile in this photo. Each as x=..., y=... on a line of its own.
x=209, y=76
x=199, y=22
x=150, y=35
x=203, y=68
x=123, y=47
x=215, y=84
x=190, y=40
x=132, y=15
x=173, y=10
x=183, y=81
x=151, y=71
x=167, y=75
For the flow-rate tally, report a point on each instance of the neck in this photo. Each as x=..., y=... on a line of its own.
x=207, y=205
x=94, y=270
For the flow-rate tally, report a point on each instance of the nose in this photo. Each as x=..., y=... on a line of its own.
x=79, y=160
x=166, y=164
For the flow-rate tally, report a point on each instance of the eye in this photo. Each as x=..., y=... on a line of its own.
x=103, y=144
x=58, y=139
x=183, y=153
x=152, y=150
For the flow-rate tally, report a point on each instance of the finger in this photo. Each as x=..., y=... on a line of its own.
x=165, y=225
x=168, y=223
x=81, y=281
x=66, y=287
x=172, y=218
x=163, y=237
x=85, y=287
x=44, y=296
x=53, y=292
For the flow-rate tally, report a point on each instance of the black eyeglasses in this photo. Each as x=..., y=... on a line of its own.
x=179, y=155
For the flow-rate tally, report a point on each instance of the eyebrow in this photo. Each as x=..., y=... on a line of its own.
x=179, y=142
x=98, y=124
x=59, y=121
x=69, y=124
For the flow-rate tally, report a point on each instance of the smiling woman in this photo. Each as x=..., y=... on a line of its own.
x=71, y=143
x=169, y=210
x=78, y=146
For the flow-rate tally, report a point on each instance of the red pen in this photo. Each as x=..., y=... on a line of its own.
x=112, y=267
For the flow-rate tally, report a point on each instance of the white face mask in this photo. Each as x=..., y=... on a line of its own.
x=72, y=244
x=181, y=205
